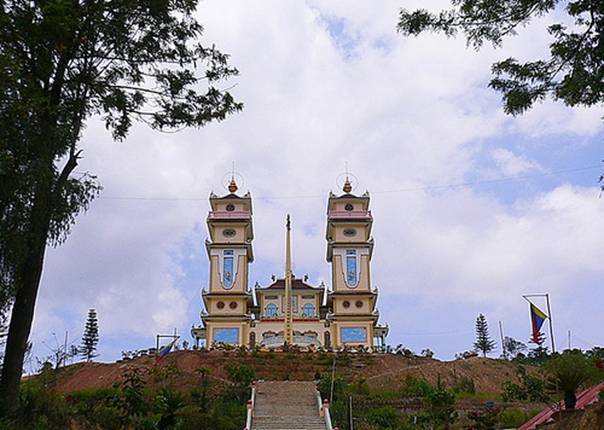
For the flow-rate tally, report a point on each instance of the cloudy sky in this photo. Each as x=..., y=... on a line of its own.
x=325, y=83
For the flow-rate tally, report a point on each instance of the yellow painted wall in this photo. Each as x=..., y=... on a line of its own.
x=239, y=310
x=338, y=275
x=241, y=280
x=220, y=238
x=339, y=308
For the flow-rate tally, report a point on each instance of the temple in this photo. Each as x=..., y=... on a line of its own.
x=290, y=311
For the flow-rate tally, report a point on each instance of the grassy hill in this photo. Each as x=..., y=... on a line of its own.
x=199, y=389
x=381, y=371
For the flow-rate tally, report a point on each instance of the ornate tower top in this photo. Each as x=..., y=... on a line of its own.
x=347, y=188
x=232, y=185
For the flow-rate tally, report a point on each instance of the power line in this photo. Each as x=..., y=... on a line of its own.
x=398, y=190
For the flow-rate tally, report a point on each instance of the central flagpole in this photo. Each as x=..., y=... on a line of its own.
x=288, y=286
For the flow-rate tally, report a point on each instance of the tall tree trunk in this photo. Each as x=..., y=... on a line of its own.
x=27, y=284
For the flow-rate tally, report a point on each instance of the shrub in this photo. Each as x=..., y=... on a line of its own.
x=512, y=418
x=41, y=409
x=568, y=372
x=385, y=417
x=414, y=387
x=530, y=388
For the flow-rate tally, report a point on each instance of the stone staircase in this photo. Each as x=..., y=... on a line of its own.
x=288, y=405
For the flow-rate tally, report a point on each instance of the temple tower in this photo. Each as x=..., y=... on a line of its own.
x=349, y=250
x=230, y=253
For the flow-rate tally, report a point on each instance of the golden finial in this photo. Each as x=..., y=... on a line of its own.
x=232, y=185
x=347, y=186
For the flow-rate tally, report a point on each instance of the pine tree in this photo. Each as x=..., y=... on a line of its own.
x=90, y=339
x=483, y=343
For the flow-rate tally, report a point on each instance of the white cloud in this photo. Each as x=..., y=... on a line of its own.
x=408, y=116
x=511, y=164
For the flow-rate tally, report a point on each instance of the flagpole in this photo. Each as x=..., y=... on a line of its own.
x=503, y=351
x=551, y=326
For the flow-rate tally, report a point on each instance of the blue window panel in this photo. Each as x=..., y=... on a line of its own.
x=227, y=269
x=226, y=335
x=308, y=310
x=271, y=310
x=351, y=267
x=353, y=334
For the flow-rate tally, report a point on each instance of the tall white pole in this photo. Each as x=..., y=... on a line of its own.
x=503, y=351
x=288, y=286
x=551, y=326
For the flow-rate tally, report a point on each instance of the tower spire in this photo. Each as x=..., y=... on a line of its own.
x=347, y=188
x=233, y=185
x=288, y=332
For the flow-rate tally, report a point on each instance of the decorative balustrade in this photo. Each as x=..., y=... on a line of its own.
x=298, y=340
x=280, y=317
x=230, y=215
x=349, y=214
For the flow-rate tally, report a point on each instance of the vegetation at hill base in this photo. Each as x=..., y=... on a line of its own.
x=133, y=404
x=212, y=393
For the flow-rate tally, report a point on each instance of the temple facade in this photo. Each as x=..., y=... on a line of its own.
x=289, y=310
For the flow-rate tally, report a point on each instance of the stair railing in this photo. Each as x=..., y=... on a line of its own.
x=324, y=412
x=250, y=408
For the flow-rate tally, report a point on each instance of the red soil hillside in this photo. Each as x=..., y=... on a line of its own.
x=380, y=370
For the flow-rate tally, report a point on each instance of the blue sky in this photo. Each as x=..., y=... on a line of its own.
x=325, y=83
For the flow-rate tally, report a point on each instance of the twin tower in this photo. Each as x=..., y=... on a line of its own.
x=290, y=310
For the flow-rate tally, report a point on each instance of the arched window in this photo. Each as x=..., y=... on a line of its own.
x=308, y=310
x=227, y=268
x=271, y=310
x=351, y=268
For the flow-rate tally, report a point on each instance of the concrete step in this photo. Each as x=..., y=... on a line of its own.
x=286, y=405
x=288, y=423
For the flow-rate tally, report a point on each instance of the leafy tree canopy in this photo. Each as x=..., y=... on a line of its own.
x=61, y=63
x=569, y=372
x=573, y=73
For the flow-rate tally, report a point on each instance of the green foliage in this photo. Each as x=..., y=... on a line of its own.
x=512, y=348
x=242, y=377
x=530, y=388
x=61, y=63
x=168, y=403
x=573, y=73
x=339, y=387
x=439, y=408
x=385, y=417
x=568, y=372
x=41, y=409
x=512, y=418
x=359, y=387
x=483, y=343
x=415, y=387
x=90, y=339
x=485, y=419
x=129, y=405
x=464, y=385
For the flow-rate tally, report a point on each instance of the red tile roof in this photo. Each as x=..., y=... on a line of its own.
x=297, y=284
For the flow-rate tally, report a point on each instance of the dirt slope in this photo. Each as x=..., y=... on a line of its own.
x=380, y=370
x=591, y=418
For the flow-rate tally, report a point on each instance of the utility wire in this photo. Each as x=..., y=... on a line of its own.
x=397, y=190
